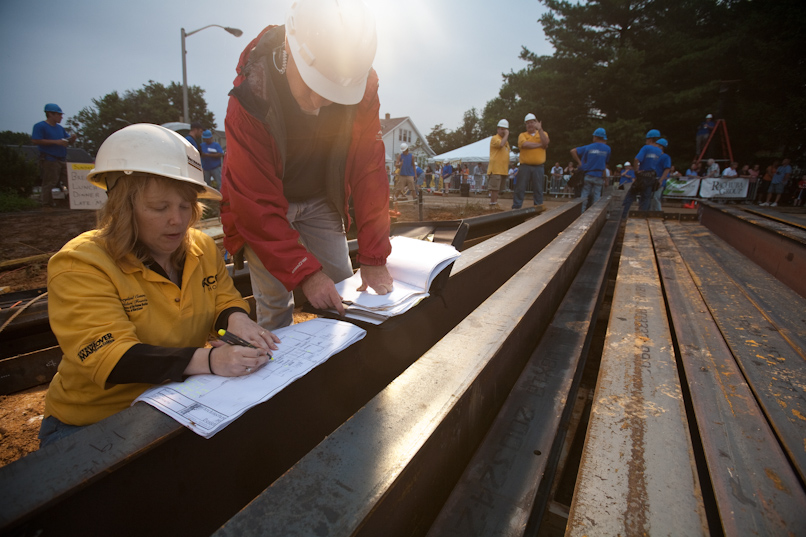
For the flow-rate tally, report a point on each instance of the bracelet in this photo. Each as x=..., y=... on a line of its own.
x=210, y=360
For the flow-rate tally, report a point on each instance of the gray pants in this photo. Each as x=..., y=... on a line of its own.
x=321, y=231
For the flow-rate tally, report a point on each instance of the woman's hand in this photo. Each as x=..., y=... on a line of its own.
x=226, y=360
x=241, y=325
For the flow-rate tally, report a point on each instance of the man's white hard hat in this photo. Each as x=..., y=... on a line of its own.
x=709, y=116
x=628, y=163
x=404, y=146
x=333, y=44
x=149, y=149
x=528, y=117
x=504, y=124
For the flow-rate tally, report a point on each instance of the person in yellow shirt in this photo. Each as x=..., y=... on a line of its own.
x=532, y=145
x=498, y=169
x=134, y=302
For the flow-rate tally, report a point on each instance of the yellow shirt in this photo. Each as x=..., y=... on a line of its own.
x=533, y=156
x=499, y=157
x=98, y=311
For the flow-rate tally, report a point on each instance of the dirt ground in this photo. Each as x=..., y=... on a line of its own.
x=34, y=233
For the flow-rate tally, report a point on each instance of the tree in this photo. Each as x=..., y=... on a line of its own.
x=442, y=141
x=631, y=65
x=15, y=138
x=153, y=103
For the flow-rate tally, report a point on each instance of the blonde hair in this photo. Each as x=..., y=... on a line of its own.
x=117, y=225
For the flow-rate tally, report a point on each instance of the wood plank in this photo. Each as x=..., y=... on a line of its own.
x=389, y=468
x=775, y=372
x=28, y=370
x=756, y=489
x=498, y=491
x=637, y=474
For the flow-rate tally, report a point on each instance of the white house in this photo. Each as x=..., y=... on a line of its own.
x=395, y=131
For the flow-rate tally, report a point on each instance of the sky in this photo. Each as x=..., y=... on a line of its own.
x=436, y=59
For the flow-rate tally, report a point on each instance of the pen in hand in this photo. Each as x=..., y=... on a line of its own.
x=232, y=339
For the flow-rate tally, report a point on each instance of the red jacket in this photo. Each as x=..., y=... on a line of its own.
x=254, y=208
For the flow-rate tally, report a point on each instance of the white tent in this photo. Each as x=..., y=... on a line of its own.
x=475, y=152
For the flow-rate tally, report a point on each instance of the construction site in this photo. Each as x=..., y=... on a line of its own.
x=578, y=374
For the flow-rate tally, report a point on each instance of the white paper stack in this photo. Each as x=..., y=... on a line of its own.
x=413, y=264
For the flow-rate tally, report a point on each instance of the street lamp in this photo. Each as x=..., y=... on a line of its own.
x=185, y=114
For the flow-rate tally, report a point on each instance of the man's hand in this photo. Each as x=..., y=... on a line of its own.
x=321, y=292
x=376, y=277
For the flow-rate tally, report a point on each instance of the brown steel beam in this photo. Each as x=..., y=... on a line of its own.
x=389, y=468
x=115, y=464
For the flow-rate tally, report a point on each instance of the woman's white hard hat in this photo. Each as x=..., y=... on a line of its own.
x=149, y=149
x=333, y=43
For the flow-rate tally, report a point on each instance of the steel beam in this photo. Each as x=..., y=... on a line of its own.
x=756, y=489
x=115, y=464
x=774, y=370
x=506, y=483
x=389, y=468
x=778, y=248
x=638, y=473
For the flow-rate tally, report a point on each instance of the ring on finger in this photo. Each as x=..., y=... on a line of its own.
x=248, y=369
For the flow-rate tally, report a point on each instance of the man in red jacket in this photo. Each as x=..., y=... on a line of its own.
x=303, y=138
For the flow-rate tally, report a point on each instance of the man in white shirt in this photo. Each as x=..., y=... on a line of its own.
x=731, y=170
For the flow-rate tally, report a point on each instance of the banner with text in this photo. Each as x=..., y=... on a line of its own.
x=686, y=188
x=724, y=188
x=83, y=194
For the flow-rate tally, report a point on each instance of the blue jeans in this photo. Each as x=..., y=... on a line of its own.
x=645, y=194
x=528, y=175
x=321, y=231
x=211, y=175
x=52, y=429
x=593, y=183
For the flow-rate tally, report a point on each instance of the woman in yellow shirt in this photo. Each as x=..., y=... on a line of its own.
x=134, y=302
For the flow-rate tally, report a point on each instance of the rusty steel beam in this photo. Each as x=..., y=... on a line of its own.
x=778, y=248
x=638, y=473
x=388, y=469
x=774, y=370
x=116, y=463
x=506, y=484
x=756, y=489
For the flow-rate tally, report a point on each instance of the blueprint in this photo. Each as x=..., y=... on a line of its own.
x=208, y=403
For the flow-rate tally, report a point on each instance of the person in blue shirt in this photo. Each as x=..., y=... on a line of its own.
x=779, y=181
x=646, y=162
x=703, y=132
x=447, y=171
x=662, y=169
x=52, y=140
x=420, y=176
x=593, y=159
x=194, y=134
x=212, y=155
x=627, y=176
x=405, y=180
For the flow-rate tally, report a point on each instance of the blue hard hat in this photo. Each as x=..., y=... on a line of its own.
x=207, y=134
x=663, y=142
x=50, y=107
x=654, y=133
x=600, y=132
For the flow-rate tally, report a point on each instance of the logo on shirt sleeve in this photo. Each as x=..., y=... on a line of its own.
x=95, y=345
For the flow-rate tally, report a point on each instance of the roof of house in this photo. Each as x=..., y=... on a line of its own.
x=389, y=124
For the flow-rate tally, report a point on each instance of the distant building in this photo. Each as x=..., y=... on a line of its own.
x=395, y=131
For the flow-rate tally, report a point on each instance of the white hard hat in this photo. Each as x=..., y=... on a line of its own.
x=151, y=149
x=528, y=117
x=709, y=116
x=628, y=163
x=504, y=124
x=333, y=44
x=404, y=146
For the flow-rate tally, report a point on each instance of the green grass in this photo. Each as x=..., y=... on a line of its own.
x=10, y=202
